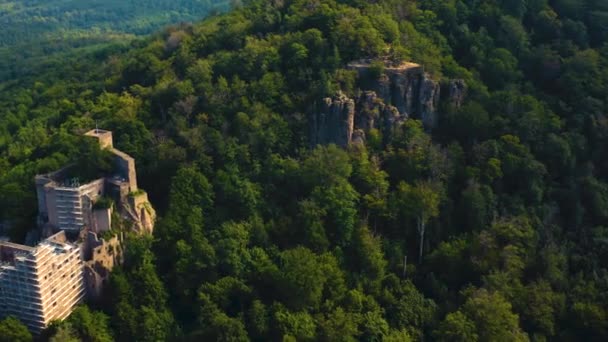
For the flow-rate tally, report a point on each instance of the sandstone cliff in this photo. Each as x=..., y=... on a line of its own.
x=373, y=112
x=406, y=87
x=387, y=98
x=333, y=121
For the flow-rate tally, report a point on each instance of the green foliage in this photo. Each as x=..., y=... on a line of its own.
x=64, y=333
x=298, y=326
x=103, y=203
x=340, y=203
x=91, y=162
x=140, y=311
x=492, y=316
x=61, y=25
x=368, y=259
x=301, y=278
x=457, y=327
x=11, y=329
x=217, y=326
x=339, y=326
x=489, y=227
x=376, y=69
x=84, y=325
x=406, y=307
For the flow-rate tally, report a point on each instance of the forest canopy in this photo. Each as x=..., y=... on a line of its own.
x=34, y=31
x=492, y=226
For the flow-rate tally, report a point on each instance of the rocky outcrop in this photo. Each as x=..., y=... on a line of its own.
x=406, y=87
x=140, y=212
x=369, y=107
x=388, y=97
x=428, y=101
x=358, y=137
x=343, y=121
x=333, y=121
x=457, y=90
x=372, y=112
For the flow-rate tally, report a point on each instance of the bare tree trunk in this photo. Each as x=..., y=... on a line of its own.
x=404, y=266
x=421, y=231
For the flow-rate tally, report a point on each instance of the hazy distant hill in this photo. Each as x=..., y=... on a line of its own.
x=32, y=30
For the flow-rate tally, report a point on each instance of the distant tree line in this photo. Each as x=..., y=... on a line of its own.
x=34, y=30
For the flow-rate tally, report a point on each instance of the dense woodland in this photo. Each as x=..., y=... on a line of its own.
x=28, y=19
x=33, y=30
x=264, y=238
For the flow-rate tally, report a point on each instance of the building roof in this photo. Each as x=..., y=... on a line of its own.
x=10, y=251
x=97, y=132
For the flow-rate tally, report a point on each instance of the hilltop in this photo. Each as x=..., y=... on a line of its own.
x=343, y=170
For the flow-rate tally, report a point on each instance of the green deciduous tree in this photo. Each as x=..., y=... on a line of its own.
x=421, y=202
x=368, y=259
x=339, y=326
x=89, y=325
x=457, y=327
x=339, y=201
x=491, y=315
x=302, y=278
x=293, y=326
x=12, y=330
x=406, y=307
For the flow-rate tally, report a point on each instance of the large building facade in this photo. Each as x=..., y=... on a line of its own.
x=44, y=283
x=66, y=204
x=40, y=284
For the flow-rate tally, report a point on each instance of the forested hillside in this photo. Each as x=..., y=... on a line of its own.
x=34, y=29
x=28, y=20
x=491, y=226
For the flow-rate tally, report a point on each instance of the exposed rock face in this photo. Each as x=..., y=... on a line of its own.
x=457, y=92
x=392, y=120
x=343, y=121
x=406, y=87
x=358, y=137
x=428, y=100
x=387, y=100
x=141, y=213
x=333, y=121
x=372, y=112
x=369, y=106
